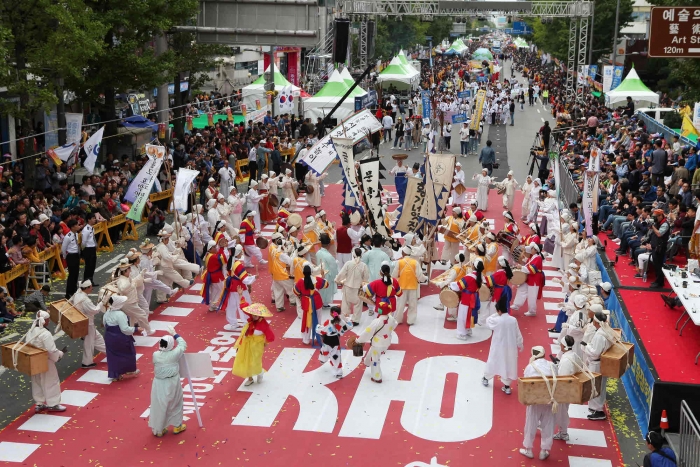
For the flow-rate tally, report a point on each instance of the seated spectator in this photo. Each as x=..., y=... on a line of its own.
x=8, y=313
x=660, y=455
x=37, y=300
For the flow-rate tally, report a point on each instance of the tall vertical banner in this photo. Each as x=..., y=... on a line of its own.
x=370, y=173
x=410, y=210
x=478, y=112
x=140, y=186
x=425, y=99
x=439, y=172
x=92, y=149
x=592, y=71
x=343, y=147
x=590, y=191
x=557, y=178
x=696, y=115
x=617, y=76
x=607, y=77
x=183, y=183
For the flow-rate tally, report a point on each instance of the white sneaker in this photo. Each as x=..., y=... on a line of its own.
x=250, y=381
x=260, y=377
x=530, y=313
x=451, y=318
x=527, y=453
x=57, y=408
x=507, y=390
x=263, y=261
x=544, y=454
x=562, y=436
x=230, y=327
x=469, y=332
x=462, y=337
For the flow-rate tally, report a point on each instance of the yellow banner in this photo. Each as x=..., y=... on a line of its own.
x=476, y=116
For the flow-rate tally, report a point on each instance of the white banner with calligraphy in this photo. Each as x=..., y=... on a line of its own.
x=370, y=173
x=410, y=210
x=358, y=126
x=343, y=146
x=183, y=183
x=590, y=191
x=140, y=187
x=438, y=183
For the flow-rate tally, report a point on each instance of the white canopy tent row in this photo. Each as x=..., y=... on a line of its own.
x=330, y=94
x=400, y=76
x=632, y=87
x=255, y=92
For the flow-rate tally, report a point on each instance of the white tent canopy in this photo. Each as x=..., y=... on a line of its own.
x=256, y=91
x=329, y=95
x=398, y=75
x=632, y=87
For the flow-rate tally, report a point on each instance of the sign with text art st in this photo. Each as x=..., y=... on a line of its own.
x=415, y=194
x=674, y=32
x=141, y=185
x=358, y=126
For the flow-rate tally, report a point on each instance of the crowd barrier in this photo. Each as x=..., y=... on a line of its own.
x=159, y=196
x=639, y=380
x=51, y=255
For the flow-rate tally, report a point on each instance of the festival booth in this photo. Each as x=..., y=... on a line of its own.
x=632, y=87
x=520, y=43
x=457, y=48
x=329, y=95
x=481, y=54
x=349, y=80
x=397, y=76
x=253, y=95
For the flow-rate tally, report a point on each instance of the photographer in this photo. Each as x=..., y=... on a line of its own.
x=545, y=132
x=156, y=221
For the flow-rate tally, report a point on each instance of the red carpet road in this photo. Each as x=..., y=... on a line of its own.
x=431, y=408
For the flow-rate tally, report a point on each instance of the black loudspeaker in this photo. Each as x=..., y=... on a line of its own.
x=371, y=28
x=341, y=37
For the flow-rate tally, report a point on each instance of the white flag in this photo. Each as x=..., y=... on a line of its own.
x=92, y=149
x=64, y=152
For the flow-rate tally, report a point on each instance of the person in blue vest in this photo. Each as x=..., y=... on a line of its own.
x=660, y=455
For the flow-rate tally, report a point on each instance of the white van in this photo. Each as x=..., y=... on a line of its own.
x=657, y=113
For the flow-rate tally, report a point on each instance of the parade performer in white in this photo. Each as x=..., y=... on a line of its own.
x=94, y=340
x=46, y=386
x=539, y=416
x=506, y=342
x=166, y=391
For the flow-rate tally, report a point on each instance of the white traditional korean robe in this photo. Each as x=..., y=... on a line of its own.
x=166, y=391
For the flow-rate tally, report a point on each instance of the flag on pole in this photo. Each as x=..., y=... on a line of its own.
x=688, y=128
x=92, y=149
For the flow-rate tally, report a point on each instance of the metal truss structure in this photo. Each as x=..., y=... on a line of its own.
x=578, y=11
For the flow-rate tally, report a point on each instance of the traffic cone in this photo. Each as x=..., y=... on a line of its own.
x=664, y=421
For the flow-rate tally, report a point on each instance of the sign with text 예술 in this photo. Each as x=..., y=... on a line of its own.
x=674, y=32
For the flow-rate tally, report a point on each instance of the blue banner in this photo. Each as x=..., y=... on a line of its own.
x=638, y=380
x=367, y=101
x=465, y=94
x=426, y=104
x=617, y=77
x=482, y=79
x=592, y=71
x=460, y=118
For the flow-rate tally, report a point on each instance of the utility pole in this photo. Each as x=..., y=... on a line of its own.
x=270, y=81
x=163, y=100
x=617, y=18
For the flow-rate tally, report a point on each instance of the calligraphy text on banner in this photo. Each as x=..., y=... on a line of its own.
x=415, y=193
x=141, y=185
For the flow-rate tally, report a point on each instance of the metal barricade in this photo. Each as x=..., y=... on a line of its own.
x=689, y=451
x=568, y=191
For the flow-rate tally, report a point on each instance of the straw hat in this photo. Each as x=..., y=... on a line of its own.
x=146, y=246
x=124, y=264
x=256, y=309
x=163, y=233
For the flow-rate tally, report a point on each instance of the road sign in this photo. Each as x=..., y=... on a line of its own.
x=674, y=32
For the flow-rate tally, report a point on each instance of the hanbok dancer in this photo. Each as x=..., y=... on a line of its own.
x=46, y=386
x=119, y=340
x=166, y=392
x=238, y=278
x=506, y=342
x=250, y=346
x=330, y=332
x=468, y=311
x=538, y=416
x=93, y=341
x=378, y=334
x=307, y=291
x=482, y=190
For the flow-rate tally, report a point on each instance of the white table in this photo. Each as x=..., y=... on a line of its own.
x=689, y=297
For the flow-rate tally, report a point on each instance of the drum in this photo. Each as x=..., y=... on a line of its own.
x=274, y=201
x=519, y=277
x=294, y=220
x=484, y=293
x=459, y=189
x=261, y=242
x=518, y=254
x=507, y=239
x=309, y=189
x=449, y=298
